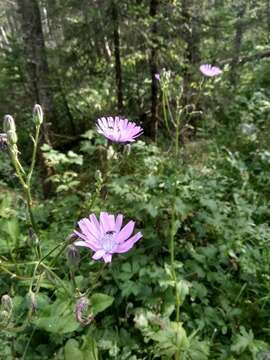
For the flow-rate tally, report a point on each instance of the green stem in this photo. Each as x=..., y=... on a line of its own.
x=14, y=275
x=34, y=156
x=172, y=255
x=176, y=139
x=73, y=280
x=53, y=261
x=169, y=109
x=165, y=111
x=28, y=189
x=26, y=185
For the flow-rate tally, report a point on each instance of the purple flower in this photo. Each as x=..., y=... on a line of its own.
x=209, y=70
x=118, y=130
x=3, y=141
x=105, y=236
x=157, y=76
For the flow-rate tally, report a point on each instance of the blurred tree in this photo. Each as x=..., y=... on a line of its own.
x=154, y=68
x=117, y=55
x=37, y=69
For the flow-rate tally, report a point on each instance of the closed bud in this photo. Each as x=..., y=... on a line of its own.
x=33, y=236
x=32, y=301
x=6, y=303
x=9, y=124
x=4, y=317
x=71, y=238
x=73, y=256
x=81, y=311
x=38, y=114
x=12, y=137
x=98, y=175
x=127, y=149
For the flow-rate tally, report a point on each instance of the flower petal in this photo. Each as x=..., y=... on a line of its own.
x=93, y=244
x=84, y=225
x=107, y=258
x=118, y=222
x=127, y=245
x=99, y=254
x=125, y=232
x=82, y=243
x=96, y=224
x=104, y=221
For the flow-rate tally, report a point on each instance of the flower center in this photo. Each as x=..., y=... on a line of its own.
x=108, y=241
x=113, y=129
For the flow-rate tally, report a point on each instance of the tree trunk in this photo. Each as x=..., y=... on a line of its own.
x=190, y=34
x=36, y=60
x=117, y=56
x=37, y=72
x=268, y=16
x=154, y=70
x=239, y=31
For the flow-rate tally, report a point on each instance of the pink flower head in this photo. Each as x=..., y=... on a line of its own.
x=209, y=70
x=157, y=76
x=105, y=237
x=118, y=130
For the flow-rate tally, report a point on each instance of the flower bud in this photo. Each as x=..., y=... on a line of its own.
x=81, y=311
x=73, y=256
x=6, y=303
x=32, y=301
x=4, y=317
x=33, y=236
x=127, y=149
x=71, y=238
x=38, y=114
x=98, y=175
x=12, y=137
x=9, y=124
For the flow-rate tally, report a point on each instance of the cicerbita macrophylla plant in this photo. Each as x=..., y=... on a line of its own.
x=209, y=70
x=105, y=237
x=118, y=130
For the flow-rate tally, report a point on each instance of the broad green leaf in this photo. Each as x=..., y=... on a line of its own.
x=72, y=351
x=57, y=318
x=89, y=348
x=100, y=302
